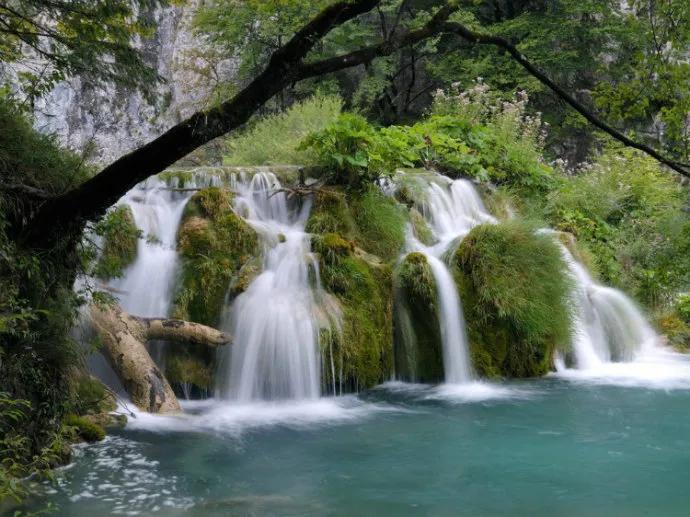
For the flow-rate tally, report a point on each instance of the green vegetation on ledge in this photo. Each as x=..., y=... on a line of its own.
x=362, y=351
x=120, y=236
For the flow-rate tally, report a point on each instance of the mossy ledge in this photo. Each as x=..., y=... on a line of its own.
x=214, y=243
x=418, y=345
x=361, y=353
x=516, y=292
x=120, y=236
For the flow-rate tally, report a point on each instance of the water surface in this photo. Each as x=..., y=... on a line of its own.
x=566, y=445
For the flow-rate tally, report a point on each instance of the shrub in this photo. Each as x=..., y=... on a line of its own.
x=516, y=291
x=351, y=149
x=629, y=214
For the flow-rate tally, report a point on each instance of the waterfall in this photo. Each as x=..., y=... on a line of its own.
x=607, y=324
x=275, y=354
x=147, y=286
x=451, y=208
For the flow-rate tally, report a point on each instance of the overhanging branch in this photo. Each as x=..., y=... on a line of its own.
x=485, y=39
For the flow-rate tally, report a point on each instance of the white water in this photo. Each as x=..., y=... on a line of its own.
x=275, y=354
x=147, y=286
x=608, y=327
x=451, y=208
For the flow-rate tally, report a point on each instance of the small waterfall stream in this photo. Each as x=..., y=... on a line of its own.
x=451, y=208
x=147, y=287
x=607, y=324
x=275, y=355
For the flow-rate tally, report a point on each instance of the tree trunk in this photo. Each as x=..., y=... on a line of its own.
x=124, y=338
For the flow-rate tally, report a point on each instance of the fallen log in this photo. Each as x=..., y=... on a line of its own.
x=124, y=337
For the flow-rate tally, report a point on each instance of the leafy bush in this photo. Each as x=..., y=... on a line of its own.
x=629, y=214
x=516, y=293
x=275, y=139
x=350, y=147
x=499, y=142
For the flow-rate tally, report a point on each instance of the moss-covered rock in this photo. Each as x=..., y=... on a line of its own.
x=516, y=294
x=84, y=429
x=418, y=345
x=380, y=222
x=330, y=213
x=214, y=244
x=361, y=353
x=90, y=395
x=421, y=228
x=120, y=235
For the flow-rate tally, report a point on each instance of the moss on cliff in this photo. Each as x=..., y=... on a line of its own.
x=361, y=352
x=214, y=244
x=418, y=346
x=120, y=235
x=515, y=290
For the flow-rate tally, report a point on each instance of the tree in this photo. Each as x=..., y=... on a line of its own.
x=67, y=213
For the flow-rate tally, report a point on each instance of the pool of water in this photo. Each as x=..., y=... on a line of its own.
x=567, y=445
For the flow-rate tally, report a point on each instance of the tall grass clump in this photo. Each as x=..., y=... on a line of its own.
x=515, y=288
x=380, y=223
x=274, y=139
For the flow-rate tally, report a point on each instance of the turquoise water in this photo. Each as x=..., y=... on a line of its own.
x=545, y=447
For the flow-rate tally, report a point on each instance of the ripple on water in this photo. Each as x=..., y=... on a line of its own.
x=120, y=474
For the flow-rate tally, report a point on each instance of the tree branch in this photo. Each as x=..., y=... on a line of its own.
x=68, y=212
x=477, y=38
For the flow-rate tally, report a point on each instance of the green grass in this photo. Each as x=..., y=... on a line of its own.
x=274, y=140
x=380, y=222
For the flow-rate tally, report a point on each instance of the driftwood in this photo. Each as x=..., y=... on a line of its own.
x=124, y=337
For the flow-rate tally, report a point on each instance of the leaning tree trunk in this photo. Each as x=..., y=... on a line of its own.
x=124, y=337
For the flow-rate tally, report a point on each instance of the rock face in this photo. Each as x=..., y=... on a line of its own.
x=112, y=121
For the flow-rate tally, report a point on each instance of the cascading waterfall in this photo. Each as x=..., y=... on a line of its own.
x=607, y=324
x=147, y=287
x=451, y=208
x=275, y=354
